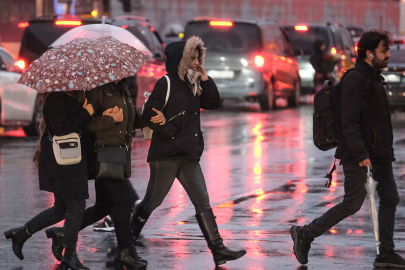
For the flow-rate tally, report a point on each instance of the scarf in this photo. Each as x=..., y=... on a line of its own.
x=194, y=81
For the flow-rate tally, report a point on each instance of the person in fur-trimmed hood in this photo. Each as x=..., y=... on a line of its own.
x=177, y=145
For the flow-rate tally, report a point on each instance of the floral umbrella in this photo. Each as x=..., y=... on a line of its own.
x=83, y=64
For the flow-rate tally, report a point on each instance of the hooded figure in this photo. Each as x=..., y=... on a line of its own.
x=318, y=63
x=178, y=144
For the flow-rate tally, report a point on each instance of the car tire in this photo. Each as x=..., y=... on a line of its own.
x=267, y=101
x=294, y=100
x=33, y=128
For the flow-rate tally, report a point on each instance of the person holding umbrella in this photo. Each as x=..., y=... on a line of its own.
x=366, y=141
x=177, y=145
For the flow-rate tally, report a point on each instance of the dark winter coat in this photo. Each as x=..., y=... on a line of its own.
x=181, y=136
x=366, y=118
x=64, y=115
x=106, y=131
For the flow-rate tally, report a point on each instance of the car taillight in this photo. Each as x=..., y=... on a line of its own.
x=68, y=23
x=221, y=23
x=259, y=61
x=355, y=48
x=23, y=24
x=124, y=26
x=152, y=29
x=301, y=28
x=21, y=64
x=333, y=50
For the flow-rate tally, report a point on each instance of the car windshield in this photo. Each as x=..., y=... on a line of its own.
x=303, y=40
x=397, y=51
x=148, y=38
x=240, y=37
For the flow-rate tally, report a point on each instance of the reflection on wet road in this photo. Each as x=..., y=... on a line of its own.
x=263, y=175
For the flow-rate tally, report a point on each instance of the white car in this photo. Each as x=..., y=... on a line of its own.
x=19, y=104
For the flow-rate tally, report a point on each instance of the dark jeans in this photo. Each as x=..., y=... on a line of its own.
x=162, y=175
x=65, y=207
x=355, y=193
x=133, y=196
x=112, y=197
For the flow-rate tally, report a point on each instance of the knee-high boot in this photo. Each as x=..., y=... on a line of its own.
x=209, y=228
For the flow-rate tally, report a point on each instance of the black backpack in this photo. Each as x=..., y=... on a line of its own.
x=327, y=126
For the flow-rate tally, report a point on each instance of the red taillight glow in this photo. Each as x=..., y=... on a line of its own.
x=259, y=61
x=333, y=50
x=68, y=23
x=23, y=24
x=301, y=28
x=152, y=29
x=124, y=26
x=221, y=23
x=20, y=64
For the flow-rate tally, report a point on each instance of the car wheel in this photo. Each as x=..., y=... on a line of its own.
x=266, y=101
x=33, y=128
x=294, y=100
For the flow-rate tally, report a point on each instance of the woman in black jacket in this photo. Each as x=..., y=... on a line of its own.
x=64, y=113
x=177, y=145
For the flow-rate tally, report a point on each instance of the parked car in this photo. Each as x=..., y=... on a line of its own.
x=394, y=74
x=337, y=40
x=249, y=60
x=355, y=32
x=155, y=68
x=18, y=103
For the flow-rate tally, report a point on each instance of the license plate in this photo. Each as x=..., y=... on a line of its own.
x=221, y=74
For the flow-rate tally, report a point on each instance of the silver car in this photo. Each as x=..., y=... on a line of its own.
x=18, y=103
x=249, y=60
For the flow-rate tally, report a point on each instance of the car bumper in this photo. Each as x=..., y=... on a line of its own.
x=249, y=85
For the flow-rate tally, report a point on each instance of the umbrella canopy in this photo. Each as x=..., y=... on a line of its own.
x=371, y=186
x=100, y=31
x=83, y=64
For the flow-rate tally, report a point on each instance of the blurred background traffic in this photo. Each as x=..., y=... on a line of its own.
x=258, y=51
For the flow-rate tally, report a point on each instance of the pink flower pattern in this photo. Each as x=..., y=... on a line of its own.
x=83, y=64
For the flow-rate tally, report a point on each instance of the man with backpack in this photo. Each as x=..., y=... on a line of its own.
x=366, y=139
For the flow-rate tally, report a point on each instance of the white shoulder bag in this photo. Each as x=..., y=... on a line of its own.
x=67, y=149
x=147, y=132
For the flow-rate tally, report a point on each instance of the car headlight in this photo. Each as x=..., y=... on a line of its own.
x=392, y=78
x=306, y=73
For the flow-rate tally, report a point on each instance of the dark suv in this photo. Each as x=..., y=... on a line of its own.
x=249, y=60
x=337, y=40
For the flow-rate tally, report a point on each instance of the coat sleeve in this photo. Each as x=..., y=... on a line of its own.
x=157, y=100
x=317, y=65
x=98, y=120
x=209, y=99
x=139, y=122
x=351, y=110
x=58, y=115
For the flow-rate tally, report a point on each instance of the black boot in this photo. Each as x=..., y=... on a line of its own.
x=389, y=260
x=138, y=220
x=18, y=236
x=70, y=261
x=124, y=257
x=209, y=228
x=302, y=243
x=56, y=233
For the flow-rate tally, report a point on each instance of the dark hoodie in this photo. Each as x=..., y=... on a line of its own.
x=181, y=136
x=317, y=62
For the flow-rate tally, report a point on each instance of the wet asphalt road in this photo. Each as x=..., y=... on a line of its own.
x=263, y=174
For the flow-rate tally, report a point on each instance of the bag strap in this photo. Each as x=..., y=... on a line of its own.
x=168, y=91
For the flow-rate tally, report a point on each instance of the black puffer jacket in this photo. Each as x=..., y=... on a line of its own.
x=366, y=118
x=181, y=136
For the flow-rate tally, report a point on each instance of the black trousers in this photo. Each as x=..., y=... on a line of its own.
x=112, y=197
x=65, y=207
x=355, y=193
x=162, y=176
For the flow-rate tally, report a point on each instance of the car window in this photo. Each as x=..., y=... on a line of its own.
x=269, y=39
x=8, y=62
x=337, y=36
x=148, y=38
x=287, y=43
x=303, y=40
x=348, y=47
x=397, y=51
x=240, y=37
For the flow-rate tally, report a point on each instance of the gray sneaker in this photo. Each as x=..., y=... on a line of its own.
x=106, y=225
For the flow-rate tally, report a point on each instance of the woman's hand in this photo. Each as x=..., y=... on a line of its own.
x=204, y=75
x=88, y=107
x=116, y=113
x=159, y=118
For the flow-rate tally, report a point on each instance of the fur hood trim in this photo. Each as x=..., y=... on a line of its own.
x=191, y=44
